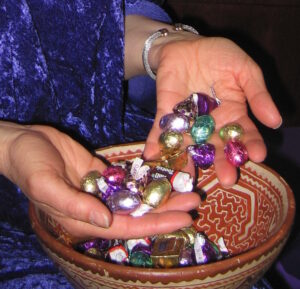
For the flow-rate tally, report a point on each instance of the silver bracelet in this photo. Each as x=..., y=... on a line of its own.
x=161, y=33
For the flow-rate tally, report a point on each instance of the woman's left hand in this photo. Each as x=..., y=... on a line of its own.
x=195, y=64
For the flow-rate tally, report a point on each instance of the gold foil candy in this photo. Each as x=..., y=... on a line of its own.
x=187, y=234
x=89, y=182
x=166, y=252
x=157, y=192
x=176, y=161
x=231, y=131
x=191, y=232
x=170, y=141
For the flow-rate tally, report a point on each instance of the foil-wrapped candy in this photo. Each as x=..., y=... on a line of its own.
x=203, y=155
x=140, y=259
x=170, y=142
x=166, y=252
x=118, y=254
x=232, y=131
x=202, y=128
x=114, y=175
x=180, y=181
x=196, y=104
x=236, y=153
x=174, y=122
x=205, y=250
x=89, y=184
x=132, y=243
x=187, y=257
x=186, y=234
x=157, y=192
x=123, y=202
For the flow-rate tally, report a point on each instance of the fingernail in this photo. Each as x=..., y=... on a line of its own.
x=99, y=219
x=278, y=126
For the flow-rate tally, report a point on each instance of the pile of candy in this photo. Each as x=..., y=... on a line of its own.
x=136, y=186
x=185, y=247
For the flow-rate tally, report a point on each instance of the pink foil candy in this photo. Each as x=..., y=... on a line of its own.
x=236, y=153
x=114, y=175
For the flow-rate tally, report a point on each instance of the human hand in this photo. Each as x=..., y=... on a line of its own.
x=48, y=165
x=190, y=63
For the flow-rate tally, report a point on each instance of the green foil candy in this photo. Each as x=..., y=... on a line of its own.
x=140, y=259
x=231, y=131
x=202, y=128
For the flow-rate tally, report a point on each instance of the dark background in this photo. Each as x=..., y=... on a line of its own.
x=269, y=31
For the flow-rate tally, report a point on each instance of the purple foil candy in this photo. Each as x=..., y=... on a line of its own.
x=187, y=257
x=123, y=202
x=188, y=107
x=174, y=122
x=205, y=103
x=142, y=248
x=203, y=155
x=236, y=153
x=114, y=175
x=205, y=250
x=99, y=244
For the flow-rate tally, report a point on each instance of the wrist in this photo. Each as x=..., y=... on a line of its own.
x=159, y=44
x=9, y=132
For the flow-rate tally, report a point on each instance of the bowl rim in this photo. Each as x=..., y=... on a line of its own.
x=171, y=274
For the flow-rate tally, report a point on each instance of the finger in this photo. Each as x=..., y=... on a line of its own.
x=127, y=227
x=56, y=193
x=255, y=146
x=252, y=82
x=226, y=172
x=180, y=202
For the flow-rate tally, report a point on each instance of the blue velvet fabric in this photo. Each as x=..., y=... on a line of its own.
x=61, y=64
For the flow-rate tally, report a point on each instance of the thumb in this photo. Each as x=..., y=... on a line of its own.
x=57, y=193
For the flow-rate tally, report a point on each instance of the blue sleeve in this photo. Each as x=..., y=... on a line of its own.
x=142, y=89
x=147, y=9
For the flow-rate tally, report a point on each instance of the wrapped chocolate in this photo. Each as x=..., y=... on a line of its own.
x=203, y=155
x=114, y=175
x=236, y=153
x=232, y=131
x=139, y=170
x=118, y=254
x=170, y=142
x=187, y=257
x=223, y=249
x=196, y=104
x=132, y=243
x=166, y=252
x=157, y=192
x=88, y=183
x=188, y=240
x=202, y=128
x=180, y=181
x=140, y=259
x=205, y=250
x=123, y=202
x=106, y=189
x=174, y=122
x=96, y=248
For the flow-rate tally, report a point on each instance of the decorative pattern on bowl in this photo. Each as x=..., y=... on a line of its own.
x=254, y=218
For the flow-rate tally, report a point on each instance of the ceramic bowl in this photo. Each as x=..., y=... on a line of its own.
x=254, y=217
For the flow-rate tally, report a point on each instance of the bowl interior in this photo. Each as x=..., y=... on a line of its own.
x=246, y=215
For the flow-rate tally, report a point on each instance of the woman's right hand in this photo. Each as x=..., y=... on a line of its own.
x=48, y=165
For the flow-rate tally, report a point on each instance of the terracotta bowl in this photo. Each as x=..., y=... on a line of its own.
x=254, y=217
